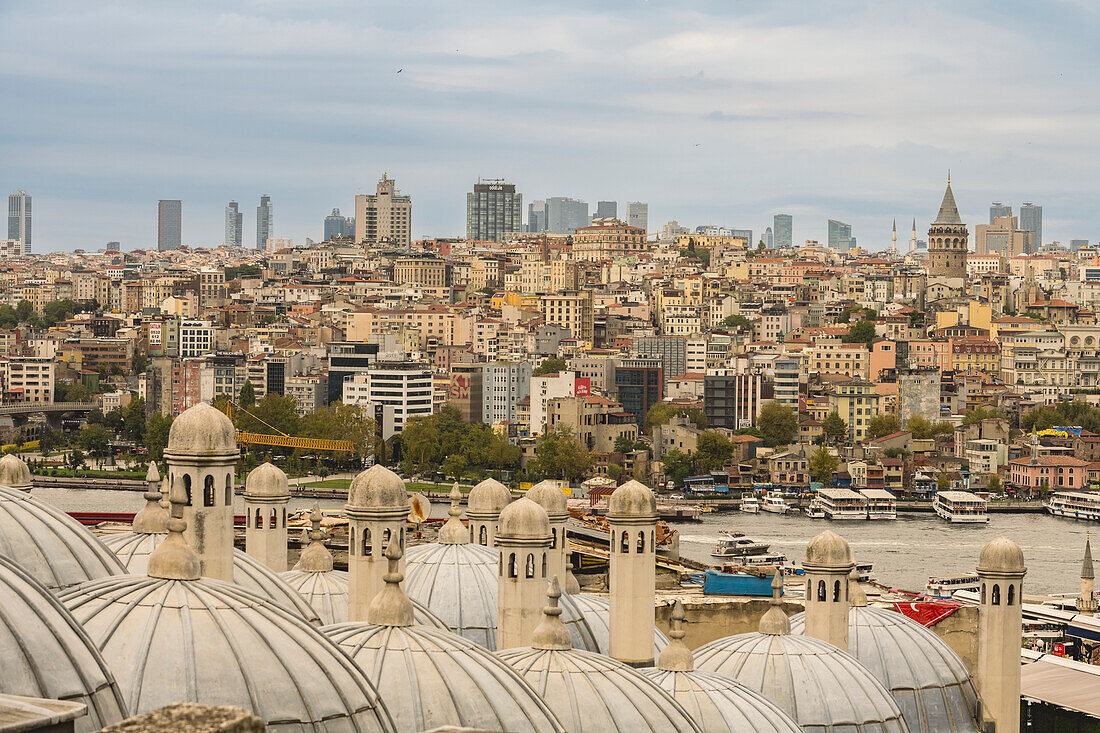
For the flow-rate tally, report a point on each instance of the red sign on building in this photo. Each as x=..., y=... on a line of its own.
x=582, y=387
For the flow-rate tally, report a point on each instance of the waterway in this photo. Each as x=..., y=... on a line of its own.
x=904, y=552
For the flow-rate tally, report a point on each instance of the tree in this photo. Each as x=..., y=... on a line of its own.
x=834, y=428
x=895, y=453
x=248, y=395
x=884, y=424
x=75, y=459
x=96, y=439
x=677, y=466
x=978, y=414
x=712, y=450
x=72, y=393
x=342, y=422
x=778, y=424
x=561, y=455
x=156, y=435
x=994, y=485
x=662, y=412
x=96, y=417
x=1064, y=412
x=133, y=420
x=24, y=310
x=549, y=365
x=624, y=444
x=822, y=465
x=141, y=360
x=736, y=322
x=942, y=482
x=860, y=332
x=8, y=319
x=1044, y=488
x=454, y=466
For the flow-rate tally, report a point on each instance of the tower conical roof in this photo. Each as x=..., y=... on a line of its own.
x=949, y=212
x=1087, y=572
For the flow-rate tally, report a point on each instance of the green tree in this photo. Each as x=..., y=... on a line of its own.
x=994, y=485
x=677, y=466
x=133, y=420
x=834, y=428
x=1044, y=488
x=248, y=395
x=274, y=412
x=615, y=471
x=141, y=361
x=736, y=322
x=560, y=455
x=72, y=393
x=454, y=466
x=712, y=450
x=24, y=310
x=342, y=422
x=895, y=453
x=549, y=365
x=943, y=483
x=778, y=424
x=96, y=417
x=822, y=465
x=883, y=424
x=920, y=427
x=96, y=439
x=978, y=414
x=75, y=459
x=624, y=444
x=860, y=332
x=156, y=435
x=8, y=319
x=662, y=412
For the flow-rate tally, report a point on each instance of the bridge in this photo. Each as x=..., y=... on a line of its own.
x=53, y=411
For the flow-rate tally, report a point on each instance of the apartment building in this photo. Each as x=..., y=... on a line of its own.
x=856, y=402
x=27, y=379
x=407, y=388
x=571, y=310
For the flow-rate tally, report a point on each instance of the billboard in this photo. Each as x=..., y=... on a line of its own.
x=582, y=387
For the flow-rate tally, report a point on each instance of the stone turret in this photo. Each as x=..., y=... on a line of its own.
x=632, y=515
x=266, y=494
x=483, y=507
x=14, y=473
x=1001, y=572
x=377, y=508
x=551, y=498
x=827, y=565
x=1087, y=602
x=152, y=519
x=524, y=543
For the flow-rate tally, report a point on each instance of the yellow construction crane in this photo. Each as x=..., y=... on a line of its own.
x=282, y=439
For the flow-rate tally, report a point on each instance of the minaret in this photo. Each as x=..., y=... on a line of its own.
x=894, y=239
x=632, y=515
x=202, y=457
x=152, y=519
x=266, y=494
x=1087, y=602
x=1000, y=626
x=551, y=498
x=483, y=508
x=913, y=237
x=524, y=543
x=828, y=563
x=377, y=508
x=14, y=473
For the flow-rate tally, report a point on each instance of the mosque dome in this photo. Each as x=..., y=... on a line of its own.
x=929, y=682
x=202, y=431
x=488, y=497
x=327, y=594
x=588, y=618
x=457, y=584
x=551, y=498
x=51, y=546
x=266, y=481
x=828, y=550
x=523, y=519
x=46, y=654
x=1001, y=555
x=632, y=500
x=378, y=488
x=14, y=473
x=720, y=704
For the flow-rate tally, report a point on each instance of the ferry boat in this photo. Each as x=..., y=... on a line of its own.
x=944, y=586
x=775, y=505
x=736, y=544
x=842, y=504
x=863, y=572
x=1074, y=504
x=750, y=505
x=960, y=507
x=814, y=510
x=881, y=504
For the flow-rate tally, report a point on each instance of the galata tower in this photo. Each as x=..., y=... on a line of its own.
x=947, y=239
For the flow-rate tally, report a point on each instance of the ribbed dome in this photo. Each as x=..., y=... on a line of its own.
x=588, y=618
x=927, y=679
x=632, y=500
x=266, y=481
x=719, y=704
x=377, y=488
x=816, y=684
x=45, y=653
x=523, y=519
x=593, y=693
x=547, y=495
x=327, y=593
x=202, y=431
x=431, y=678
x=210, y=642
x=488, y=497
x=134, y=548
x=1001, y=555
x=828, y=550
x=14, y=473
x=53, y=547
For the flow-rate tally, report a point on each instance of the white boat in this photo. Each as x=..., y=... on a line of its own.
x=960, y=507
x=736, y=544
x=881, y=504
x=863, y=572
x=1075, y=504
x=750, y=505
x=842, y=504
x=814, y=510
x=944, y=586
x=775, y=505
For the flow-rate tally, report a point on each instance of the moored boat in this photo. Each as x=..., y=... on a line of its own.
x=1074, y=505
x=944, y=586
x=842, y=504
x=774, y=504
x=960, y=507
x=750, y=505
x=881, y=504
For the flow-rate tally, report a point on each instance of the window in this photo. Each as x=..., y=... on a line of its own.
x=995, y=597
x=512, y=565
x=836, y=591
x=821, y=590
x=187, y=487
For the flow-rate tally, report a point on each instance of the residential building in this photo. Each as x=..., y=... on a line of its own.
x=832, y=356
x=639, y=385
x=384, y=217
x=503, y=385
x=1031, y=219
x=196, y=338
x=427, y=271
x=406, y=387
x=678, y=433
x=169, y=224
x=571, y=310
x=234, y=225
x=493, y=209
x=345, y=360
x=985, y=456
x=544, y=389
x=265, y=222
x=733, y=399
x=465, y=392
x=1053, y=472
x=26, y=379
x=637, y=215
x=310, y=392
x=787, y=381
x=596, y=422
x=856, y=401
x=19, y=219
x=782, y=230
x=788, y=469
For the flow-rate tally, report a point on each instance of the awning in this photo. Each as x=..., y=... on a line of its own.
x=1063, y=685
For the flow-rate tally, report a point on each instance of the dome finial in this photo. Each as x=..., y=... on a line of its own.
x=676, y=657
x=315, y=558
x=152, y=519
x=775, y=622
x=391, y=607
x=551, y=634
x=453, y=532
x=856, y=596
x=174, y=559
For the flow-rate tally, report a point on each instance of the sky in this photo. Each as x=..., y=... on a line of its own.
x=721, y=112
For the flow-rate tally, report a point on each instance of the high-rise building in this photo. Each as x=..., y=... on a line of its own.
x=337, y=225
x=746, y=233
x=565, y=215
x=1031, y=219
x=639, y=384
x=265, y=222
x=769, y=240
x=1076, y=244
x=234, y=225
x=493, y=209
x=947, y=240
x=637, y=215
x=536, y=216
x=782, y=228
x=997, y=210
x=840, y=234
x=385, y=216
x=1003, y=237
x=114, y=246
x=607, y=210
x=169, y=224
x=19, y=219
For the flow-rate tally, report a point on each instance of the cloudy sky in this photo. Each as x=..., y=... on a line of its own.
x=719, y=112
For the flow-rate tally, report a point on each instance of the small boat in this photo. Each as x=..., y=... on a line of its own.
x=944, y=586
x=1074, y=504
x=775, y=505
x=750, y=505
x=960, y=507
x=717, y=582
x=814, y=510
x=863, y=572
x=736, y=544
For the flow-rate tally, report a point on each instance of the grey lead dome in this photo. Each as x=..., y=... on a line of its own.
x=720, y=705
x=202, y=431
x=14, y=473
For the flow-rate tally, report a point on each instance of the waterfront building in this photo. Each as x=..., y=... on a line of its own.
x=639, y=384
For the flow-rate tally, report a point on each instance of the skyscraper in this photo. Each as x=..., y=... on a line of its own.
x=337, y=225
x=19, y=219
x=1031, y=219
x=782, y=230
x=385, y=216
x=564, y=215
x=840, y=234
x=769, y=238
x=265, y=222
x=637, y=215
x=606, y=209
x=234, y=225
x=493, y=208
x=536, y=216
x=997, y=210
x=169, y=224
x=114, y=246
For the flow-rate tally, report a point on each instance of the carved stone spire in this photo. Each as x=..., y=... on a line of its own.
x=551, y=634
x=676, y=657
x=775, y=622
x=391, y=607
x=173, y=559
